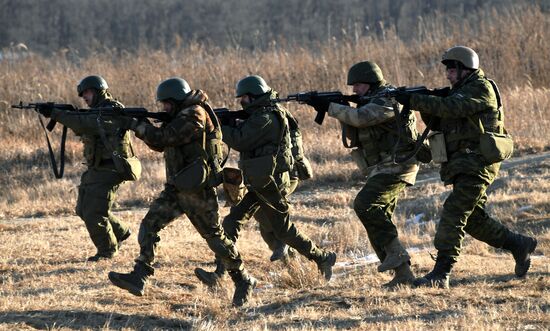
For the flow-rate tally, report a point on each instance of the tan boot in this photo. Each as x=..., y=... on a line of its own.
x=396, y=255
x=403, y=276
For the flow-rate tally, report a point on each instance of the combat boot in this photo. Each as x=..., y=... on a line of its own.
x=211, y=279
x=439, y=276
x=521, y=248
x=326, y=263
x=396, y=255
x=102, y=256
x=402, y=276
x=123, y=238
x=244, y=286
x=280, y=253
x=133, y=282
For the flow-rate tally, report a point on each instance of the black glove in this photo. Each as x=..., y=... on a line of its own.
x=320, y=104
x=45, y=109
x=227, y=121
x=128, y=123
x=404, y=98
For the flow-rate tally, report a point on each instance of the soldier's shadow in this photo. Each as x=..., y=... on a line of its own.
x=80, y=319
x=339, y=303
x=499, y=279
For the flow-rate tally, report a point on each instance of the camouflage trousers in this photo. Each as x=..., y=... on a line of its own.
x=202, y=210
x=275, y=225
x=464, y=212
x=261, y=216
x=374, y=205
x=96, y=195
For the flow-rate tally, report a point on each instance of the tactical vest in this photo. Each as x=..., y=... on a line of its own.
x=282, y=146
x=296, y=140
x=208, y=148
x=95, y=152
x=464, y=133
x=378, y=142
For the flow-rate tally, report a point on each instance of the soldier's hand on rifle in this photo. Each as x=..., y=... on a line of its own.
x=320, y=104
x=404, y=98
x=45, y=110
x=129, y=123
x=227, y=121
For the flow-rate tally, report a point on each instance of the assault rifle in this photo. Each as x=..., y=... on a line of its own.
x=229, y=117
x=38, y=106
x=41, y=107
x=338, y=97
x=334, y=96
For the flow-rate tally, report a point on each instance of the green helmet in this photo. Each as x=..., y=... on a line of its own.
x=365, y=72
x=95, y=82
x=253, y=85
x=173, y=88
x=462, y=54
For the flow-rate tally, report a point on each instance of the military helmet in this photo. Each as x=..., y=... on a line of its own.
x=465, y=55
x=365, y=72
x=253, y=85
x=173, y=88
x=95, y=82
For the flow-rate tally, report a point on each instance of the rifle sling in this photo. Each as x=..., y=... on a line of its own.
x=57, y=173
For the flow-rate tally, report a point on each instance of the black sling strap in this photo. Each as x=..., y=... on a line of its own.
x=58, y=173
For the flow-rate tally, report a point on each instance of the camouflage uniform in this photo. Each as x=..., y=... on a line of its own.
x=99, y=183
x=374, y=128
x=472, y=100
x=464, y=210
x=244, y=213
x=182, y=142
x=260, y=135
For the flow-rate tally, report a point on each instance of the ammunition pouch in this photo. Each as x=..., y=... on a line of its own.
x=258, y=171
x=303, y=169
x=496, y=147
x=193, y=177
x=358, y=157
x=438, y=147
x=233, y=185
x=129, y=168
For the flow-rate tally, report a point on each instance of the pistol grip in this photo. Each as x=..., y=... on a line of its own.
x=51, y=125
x=320, y=117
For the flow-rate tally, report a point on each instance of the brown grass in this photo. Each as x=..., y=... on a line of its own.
x=45, y=282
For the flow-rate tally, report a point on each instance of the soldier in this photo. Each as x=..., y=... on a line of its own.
x=280, y=251
x=472, y=105
x=266, y=158
x=100, y=182
x=374, y=132
x=190, y=143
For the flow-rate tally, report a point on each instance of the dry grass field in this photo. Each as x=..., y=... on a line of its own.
x=45, y=282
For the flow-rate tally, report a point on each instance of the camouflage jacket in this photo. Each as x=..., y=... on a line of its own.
x=87, y=127
x=183, y=138
x=470, y=101
x=260, y=134
x=374, y=126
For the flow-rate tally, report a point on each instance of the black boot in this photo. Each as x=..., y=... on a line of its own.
x=326, y=263
x=439, y=276
x=123, y=238
x=244, y=286
x=134, y=282
x=209, y=278
x=521, y=248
